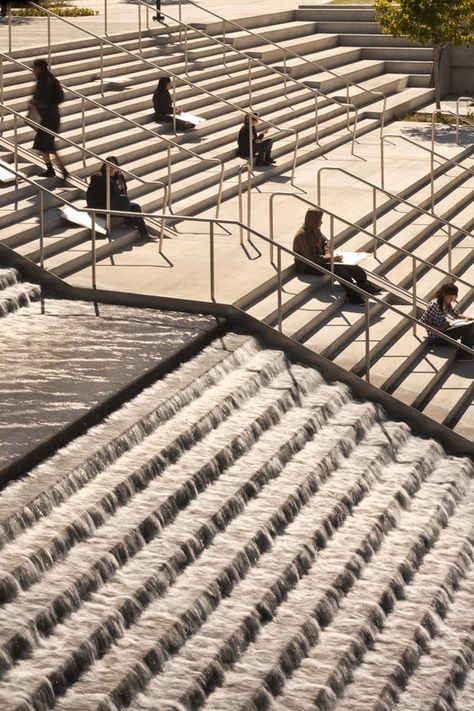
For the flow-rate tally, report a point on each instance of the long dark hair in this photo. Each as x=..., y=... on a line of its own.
x=448, y=289
x=163, y=84
x=109, y=159
x=43, y=67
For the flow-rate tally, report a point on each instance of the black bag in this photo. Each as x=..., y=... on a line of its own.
x=57, y=93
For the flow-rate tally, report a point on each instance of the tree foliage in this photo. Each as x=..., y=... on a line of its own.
x=435, y=22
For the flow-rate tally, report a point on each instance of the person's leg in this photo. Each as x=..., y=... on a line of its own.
x=158, y=15
x=60, y=163
x=268, y=143
x=346, y=271
x=464, y=333
x=49, y=172
x=139, y=222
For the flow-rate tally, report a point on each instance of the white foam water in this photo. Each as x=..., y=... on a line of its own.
x=245, y=536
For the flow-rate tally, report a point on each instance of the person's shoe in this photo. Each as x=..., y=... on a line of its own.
x=62, y=183
x=270, y=161
x=372, y=289
x=48, y=173
x=355, y=298
x=158, y=18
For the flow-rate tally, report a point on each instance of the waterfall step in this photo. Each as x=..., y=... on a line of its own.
x=238, y=531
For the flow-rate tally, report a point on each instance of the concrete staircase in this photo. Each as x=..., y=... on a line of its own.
x=400, y=362
x=241, y=535
x=194, y=183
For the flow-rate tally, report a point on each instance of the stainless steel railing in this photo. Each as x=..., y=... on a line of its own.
x=34, y=124
x=375, y=189
x=459, y=119
x=148, y=62
x=252, y=60
x=293, y=54
x=415, y=260
x=169, y=143
x=424, y=148
x=281, y=249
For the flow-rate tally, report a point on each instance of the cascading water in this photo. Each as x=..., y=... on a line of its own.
x=240, y=536
x=15, y=294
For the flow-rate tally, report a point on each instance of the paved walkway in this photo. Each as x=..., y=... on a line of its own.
x=122, y=16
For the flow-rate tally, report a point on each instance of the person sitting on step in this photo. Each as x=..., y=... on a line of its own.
x=310, y=243
x=119, y=200
x=261, y=146
x=163, y=105
x=441, y=314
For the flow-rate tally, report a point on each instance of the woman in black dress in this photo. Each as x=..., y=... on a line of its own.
x=46, y=98
x=163, y=104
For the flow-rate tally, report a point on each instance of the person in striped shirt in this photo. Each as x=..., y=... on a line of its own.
x=441, y=313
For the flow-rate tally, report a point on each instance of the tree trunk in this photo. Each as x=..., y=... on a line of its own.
x=436, y=63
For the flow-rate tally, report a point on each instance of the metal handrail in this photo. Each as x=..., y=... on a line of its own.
x=401, y=250
x=292, y=53
x=222, y=221
x=316, y=92
x=170, y=143
x=460, y=99
x=459, y=119
x=38, y=126
x=450, y=225
x=425, y=148
x=176, y=76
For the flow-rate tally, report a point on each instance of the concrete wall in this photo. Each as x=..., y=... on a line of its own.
x=460, y=70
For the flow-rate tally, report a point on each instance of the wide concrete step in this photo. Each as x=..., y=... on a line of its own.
x=335, y=13
x=271, y=53
x=273, y=33
x=329, y=81
x=331, y=58
x=386, y=84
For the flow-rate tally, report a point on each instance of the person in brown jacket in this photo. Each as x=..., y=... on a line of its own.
x=310, y=243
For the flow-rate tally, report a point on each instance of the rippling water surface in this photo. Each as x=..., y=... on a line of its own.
x=57, y=365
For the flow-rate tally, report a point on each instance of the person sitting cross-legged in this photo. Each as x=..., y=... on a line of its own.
x=261, y=146
x=441, y=314
x=119, y=200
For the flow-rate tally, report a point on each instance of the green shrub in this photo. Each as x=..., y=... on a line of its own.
x=59, y=7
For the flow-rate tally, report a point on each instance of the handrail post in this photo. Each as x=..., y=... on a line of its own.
x=1, y=94
x=347, y=102
x=432, y=182
x=367, y=338
x=174, y=107
x=224, y=60
x=169, y=177
x=186, y=50
x=279, y=290
x=139, y=27
x=49, y=39
x=241, y=229
x=374, y=219
x=316, y=118
x=382, y=162
x=10, y=28
x=331, y=249
x=179, y=20
x=295, y=155
x=107, y=201
x=249, y=172
x=83, y=130
x=15, y=156
x=212, y=262
x=101, y=68
x=41, y=226
x=147, y=16
x=450, y=249
x=162, y=226
x=271, y=227
x=93, y=252
x=413, y=290
x=284, y=74
x=105, y=18
x=354, y=130
x=249, y=72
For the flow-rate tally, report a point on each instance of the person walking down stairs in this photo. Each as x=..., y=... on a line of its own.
x=441, y=314
x=310, y=243
x=261, y=146
x=97, y=195
x=4, y=10
x=44, y=109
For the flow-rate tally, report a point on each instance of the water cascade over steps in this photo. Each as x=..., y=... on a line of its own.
x=15, y=294
x=242, y=536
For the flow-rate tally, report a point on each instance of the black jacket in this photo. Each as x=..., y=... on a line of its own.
x=96, y=193
x=243, y=141
x=162, y=102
